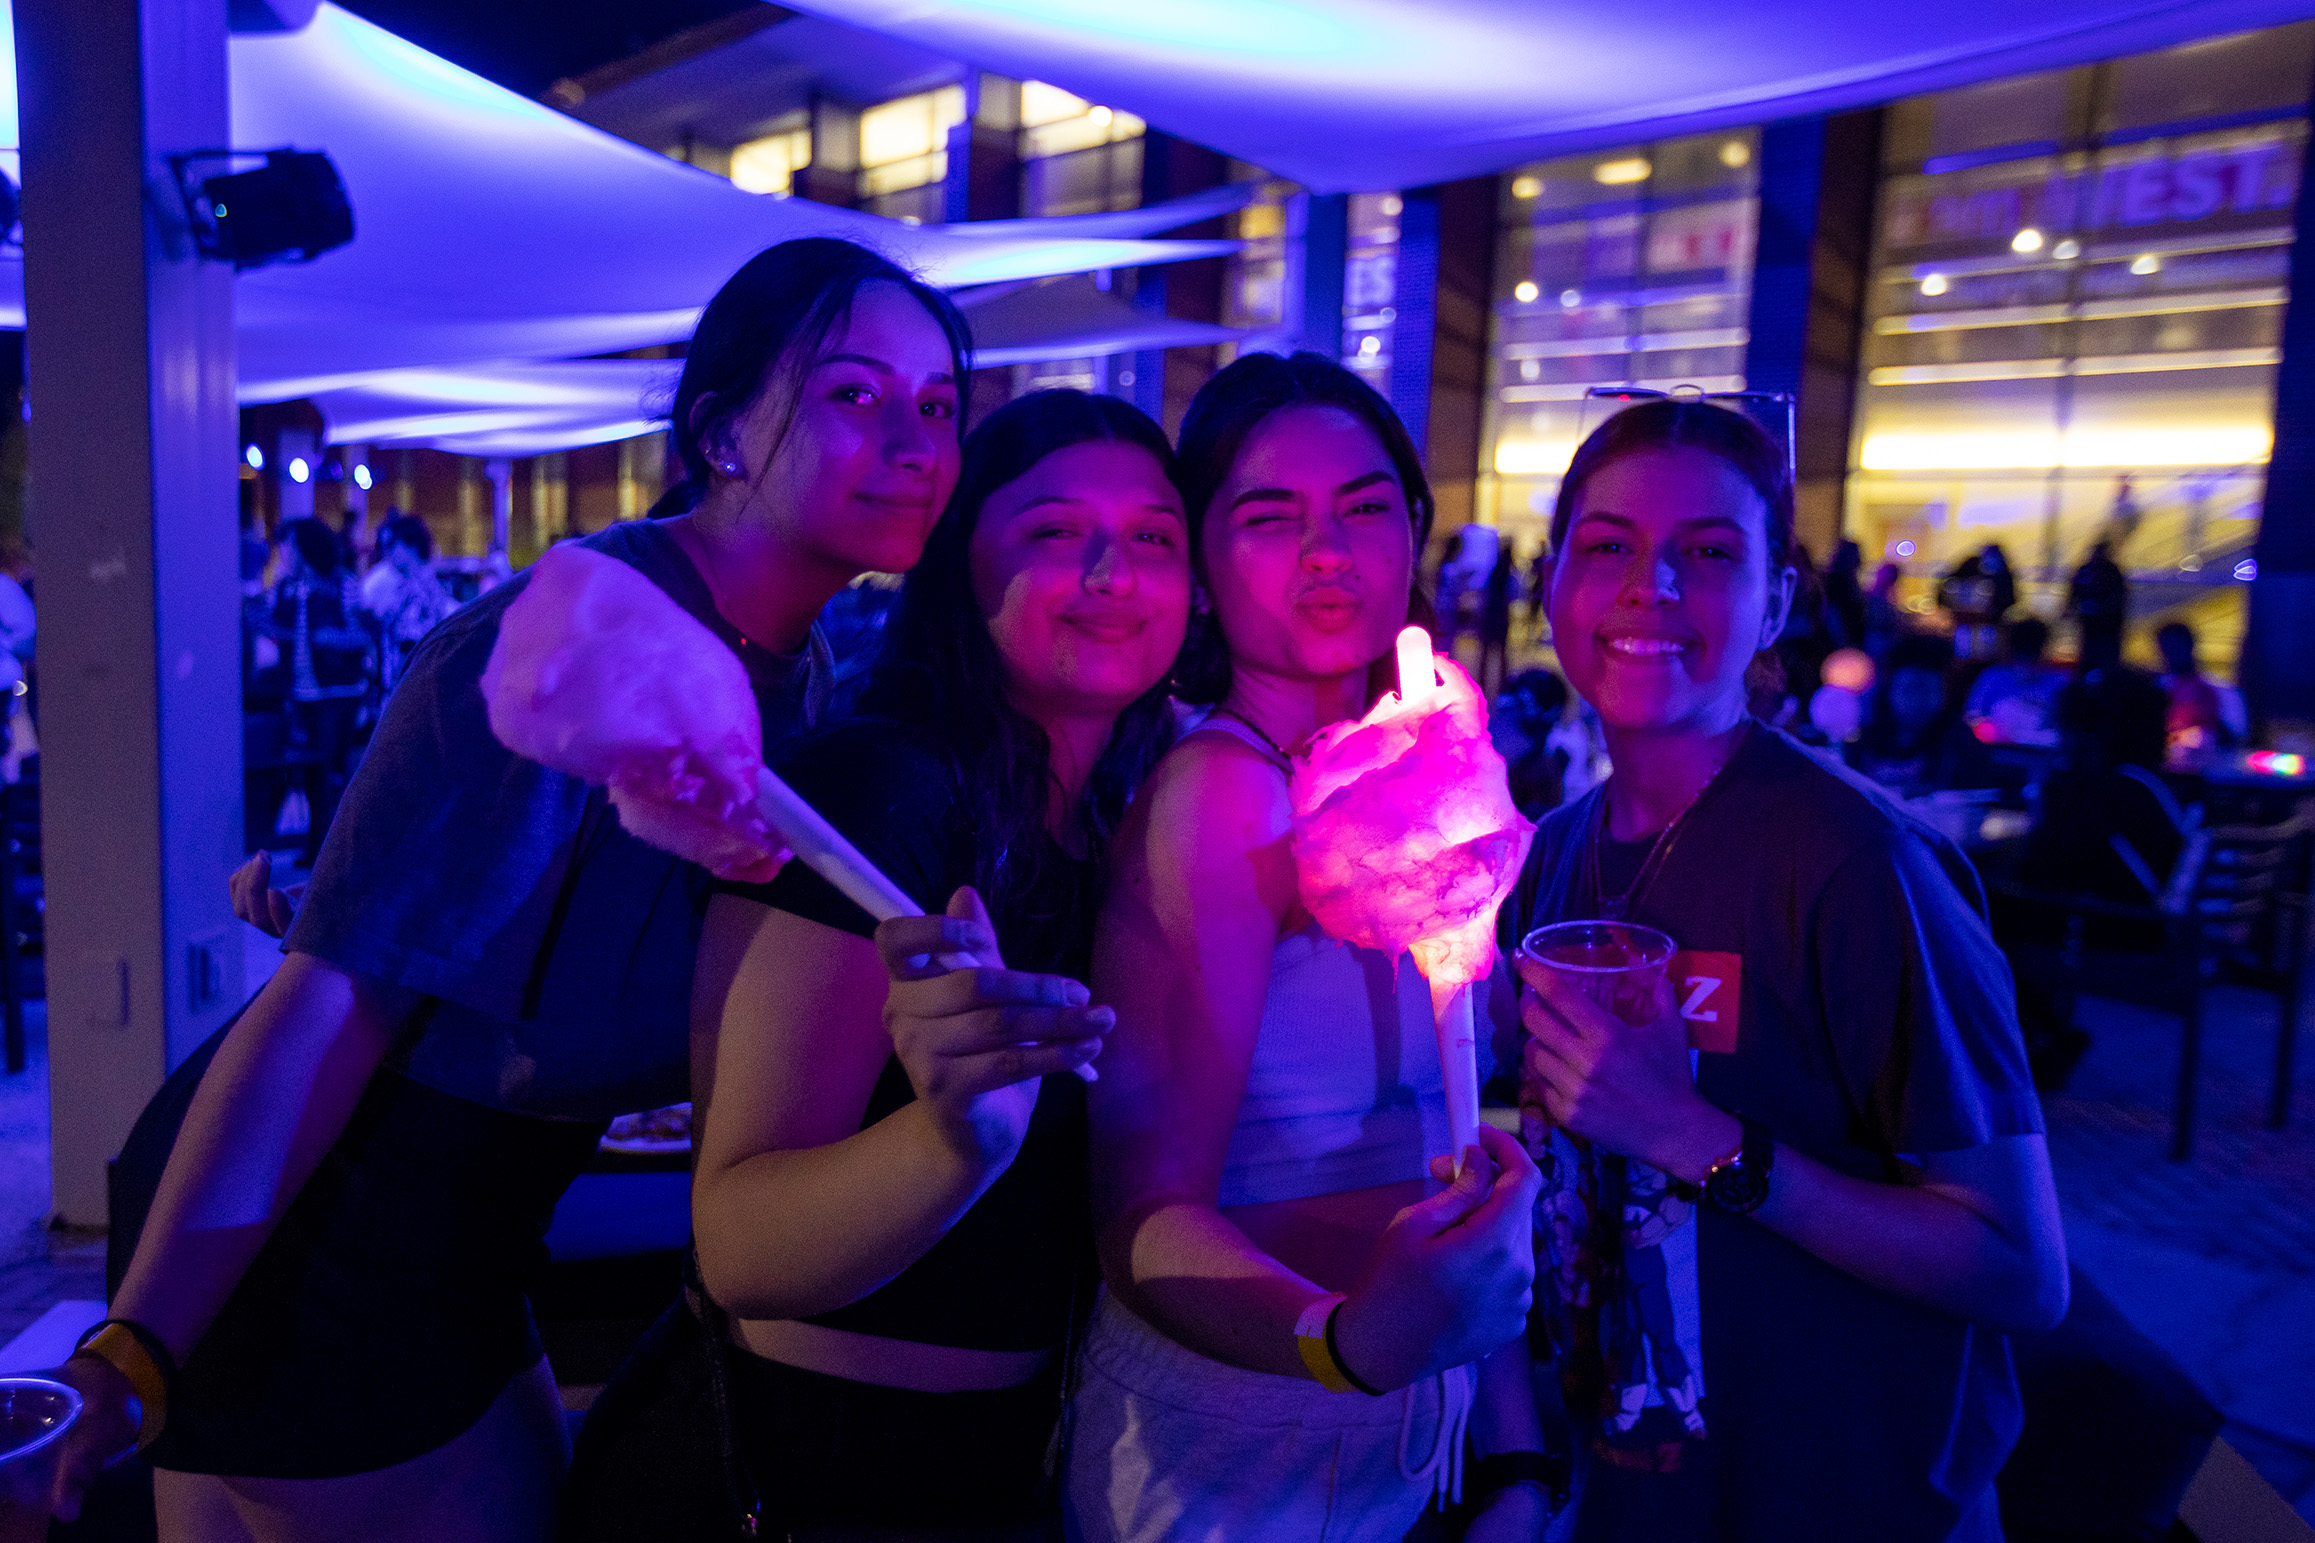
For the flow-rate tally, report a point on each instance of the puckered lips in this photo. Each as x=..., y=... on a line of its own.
x=1328, y=606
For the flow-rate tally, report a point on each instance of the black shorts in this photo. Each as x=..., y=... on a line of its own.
x=390, y=1307
x=814, y=1448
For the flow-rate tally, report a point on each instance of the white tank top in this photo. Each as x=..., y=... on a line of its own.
x=1344, y=1092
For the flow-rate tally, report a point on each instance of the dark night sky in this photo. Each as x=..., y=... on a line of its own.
x=526, y=45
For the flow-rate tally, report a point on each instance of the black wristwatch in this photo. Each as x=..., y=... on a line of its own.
x=1739, y=1182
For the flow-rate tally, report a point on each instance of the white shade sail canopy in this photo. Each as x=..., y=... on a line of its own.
x=489, y=227
x=533, y=409
x=1368, y=95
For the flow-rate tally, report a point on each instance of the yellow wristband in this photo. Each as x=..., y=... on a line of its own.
x=119, y=1349
x=1310, y=1341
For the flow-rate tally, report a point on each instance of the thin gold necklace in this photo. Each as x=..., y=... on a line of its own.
x=1616, y=908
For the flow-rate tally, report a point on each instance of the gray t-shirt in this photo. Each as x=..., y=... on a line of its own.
x=554, y=949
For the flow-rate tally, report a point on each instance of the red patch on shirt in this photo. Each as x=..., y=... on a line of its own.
x=1707, y=988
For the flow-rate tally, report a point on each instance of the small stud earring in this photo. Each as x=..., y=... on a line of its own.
x=728, y=468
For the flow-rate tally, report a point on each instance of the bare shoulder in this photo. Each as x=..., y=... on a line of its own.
x=1212, y=819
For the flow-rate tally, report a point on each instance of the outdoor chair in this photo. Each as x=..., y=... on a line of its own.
x=2236, y=903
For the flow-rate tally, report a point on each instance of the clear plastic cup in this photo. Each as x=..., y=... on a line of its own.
x=1617, y=964
x=34, y=1415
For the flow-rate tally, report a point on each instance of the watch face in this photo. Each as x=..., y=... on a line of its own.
x=1738, y=1187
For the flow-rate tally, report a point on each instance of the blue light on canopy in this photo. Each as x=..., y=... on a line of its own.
x=1345, y=95
x=492, y=227
x=532, y=409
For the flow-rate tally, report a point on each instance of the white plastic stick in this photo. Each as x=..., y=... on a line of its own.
x=823, y=848
x=1418, y=677
x=1458, y=1069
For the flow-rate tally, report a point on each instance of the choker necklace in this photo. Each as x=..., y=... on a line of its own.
x=1616, y=908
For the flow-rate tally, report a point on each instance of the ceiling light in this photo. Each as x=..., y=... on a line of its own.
x=1100, y=117
x=1569, y=299
x=2027, y=240
x=298, y=470
x=1525, y=291
x=2147, y=264
x=362, y=477
x=255, y=457
x=1526, y=187
x=1369, y=346
x=1934, y=284
x=2067, y=250
x=1616, y=173
x=1736, y=153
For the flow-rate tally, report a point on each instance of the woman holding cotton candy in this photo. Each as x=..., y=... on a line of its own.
x=485, y=969
x=889, y=1203
x=1294, y=1296
x=1787, y=1220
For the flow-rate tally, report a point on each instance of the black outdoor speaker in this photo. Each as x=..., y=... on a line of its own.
x=291, y=208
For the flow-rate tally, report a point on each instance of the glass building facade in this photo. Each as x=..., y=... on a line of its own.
x=2073, y=322
x=1630, y=266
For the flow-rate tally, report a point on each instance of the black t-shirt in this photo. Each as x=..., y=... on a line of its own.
x=556, y=947
x=1004, y=1276
x=1842, y=988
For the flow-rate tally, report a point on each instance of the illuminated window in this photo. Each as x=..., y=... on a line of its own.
x=1370, y=286
x=1630, y=266
x=1254, y=283
x=1077, y=157
x=2075, y=317
x=770, y=164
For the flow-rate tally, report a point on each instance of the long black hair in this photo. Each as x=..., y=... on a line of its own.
x=939, y=669
x=773, y=316
x=1225, y=411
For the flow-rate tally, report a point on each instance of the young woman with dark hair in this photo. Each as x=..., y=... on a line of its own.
x=1269, y=1229
x=890, y=1197
x=348, y=1186
x=1786, y=1223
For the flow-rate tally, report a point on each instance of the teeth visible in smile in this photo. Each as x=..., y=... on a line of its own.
x=1645, y=648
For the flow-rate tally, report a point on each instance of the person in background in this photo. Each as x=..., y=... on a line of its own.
x=1522, y=723
x=1845, y=597
x=1450, y=589
x=312, y=620
x=2011, y=702
x=1978, y=594
x=401, y=594
x=2099, y=601
x=1495, y=599
x=1884, y=621
x=2203, y=714
x=1788, y=1221
x=1914, y=740
x=2106, y=823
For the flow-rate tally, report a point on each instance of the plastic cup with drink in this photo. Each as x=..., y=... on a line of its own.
x=1618, y=965
x=34, y=1415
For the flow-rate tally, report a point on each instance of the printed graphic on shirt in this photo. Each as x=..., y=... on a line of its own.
x=1709, y=988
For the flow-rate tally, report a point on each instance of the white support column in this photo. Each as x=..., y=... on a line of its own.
x=133, y=516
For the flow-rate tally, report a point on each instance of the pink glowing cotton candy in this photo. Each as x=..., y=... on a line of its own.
x=1406, y=841
x=598, y=673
